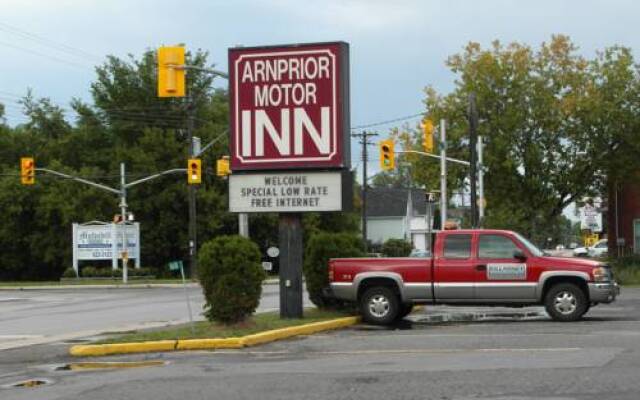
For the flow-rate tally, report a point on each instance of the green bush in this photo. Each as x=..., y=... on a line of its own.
x=319, y=249
x=396, y=248
x=626, y=270
x=69, y=273
x=231, y=276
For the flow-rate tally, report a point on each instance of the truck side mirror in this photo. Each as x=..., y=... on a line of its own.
x=519, y=255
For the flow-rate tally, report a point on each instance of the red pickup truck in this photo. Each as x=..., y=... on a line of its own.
x=473, y=267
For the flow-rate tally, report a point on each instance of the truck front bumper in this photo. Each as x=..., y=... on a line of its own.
x=603, y=292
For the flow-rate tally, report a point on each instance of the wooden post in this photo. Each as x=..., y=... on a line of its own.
x=290, y=231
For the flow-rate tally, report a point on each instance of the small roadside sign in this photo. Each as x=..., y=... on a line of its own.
x=175, y=266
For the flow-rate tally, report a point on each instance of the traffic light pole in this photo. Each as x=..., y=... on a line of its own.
x=193, y=261
x=123, y=221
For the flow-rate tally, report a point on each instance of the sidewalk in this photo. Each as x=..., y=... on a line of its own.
x=272, y=281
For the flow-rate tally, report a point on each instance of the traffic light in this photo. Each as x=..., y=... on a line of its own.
x=222, y=166
x=27, y=171
x=194, y=171
x=387, y=157
x=427, y=136
x=171, y=74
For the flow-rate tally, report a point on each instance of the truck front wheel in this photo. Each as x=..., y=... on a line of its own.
x=566, y=302
x=379, y=305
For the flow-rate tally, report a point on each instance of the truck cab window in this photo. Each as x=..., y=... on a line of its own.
x=457, y=246
x=495, y=246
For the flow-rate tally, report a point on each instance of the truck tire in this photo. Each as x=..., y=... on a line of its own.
x=379, y=305
x=566, y=302
x=405, y=309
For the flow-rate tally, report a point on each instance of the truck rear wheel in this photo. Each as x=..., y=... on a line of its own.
x=566, y=302
x=379, y=305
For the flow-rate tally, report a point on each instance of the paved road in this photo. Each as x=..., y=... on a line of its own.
x=495, y=358
x=45, y=316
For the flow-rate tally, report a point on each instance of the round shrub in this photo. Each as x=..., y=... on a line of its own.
x=69, y=273
x=231, y=276
x=319, y=249
x=396, y=248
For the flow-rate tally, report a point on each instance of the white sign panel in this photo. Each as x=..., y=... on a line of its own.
x=506, y=271
x=590, y=218
x=96, y=242
x=285, y=192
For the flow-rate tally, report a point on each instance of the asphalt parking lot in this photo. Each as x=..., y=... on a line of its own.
x=437, y=353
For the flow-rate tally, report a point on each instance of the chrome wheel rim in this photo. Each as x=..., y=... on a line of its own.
x=379, y=306
x=565, y=303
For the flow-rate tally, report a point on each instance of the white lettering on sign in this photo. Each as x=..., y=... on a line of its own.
x=279, y=69
x=285, y=192
x=301, y=123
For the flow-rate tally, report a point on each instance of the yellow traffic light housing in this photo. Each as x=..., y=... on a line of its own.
x=194, y=171
x=222, y=166
x=171, y=74
x=27, y=171
x=387, y=155
x=427, y=136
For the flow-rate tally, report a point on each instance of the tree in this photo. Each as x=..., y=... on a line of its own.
x=546, y=117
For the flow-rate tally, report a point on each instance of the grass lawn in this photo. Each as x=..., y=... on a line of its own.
x=257, y=323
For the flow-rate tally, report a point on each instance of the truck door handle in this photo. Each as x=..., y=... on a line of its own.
x=481, y=267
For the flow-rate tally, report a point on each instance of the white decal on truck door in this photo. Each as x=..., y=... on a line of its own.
x=506, y=271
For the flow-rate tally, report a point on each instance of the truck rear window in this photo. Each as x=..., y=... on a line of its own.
x=457, y=246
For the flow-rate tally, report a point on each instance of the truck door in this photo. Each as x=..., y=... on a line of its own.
x=499, y=275
x=454, y=268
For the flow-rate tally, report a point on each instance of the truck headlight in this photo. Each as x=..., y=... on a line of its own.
x=601, y=274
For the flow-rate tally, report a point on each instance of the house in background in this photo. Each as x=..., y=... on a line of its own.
x=395, y=213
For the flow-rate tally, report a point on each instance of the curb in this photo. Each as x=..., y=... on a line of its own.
x=96, y=350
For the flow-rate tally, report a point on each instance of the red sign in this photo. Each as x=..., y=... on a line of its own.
x=289, y=106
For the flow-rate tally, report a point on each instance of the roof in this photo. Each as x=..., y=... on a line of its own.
x=392, y=202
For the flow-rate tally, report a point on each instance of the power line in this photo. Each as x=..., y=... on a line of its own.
x=390, y=121
x=36, y=38
x=54, y=58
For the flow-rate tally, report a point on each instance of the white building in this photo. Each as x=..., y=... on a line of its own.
x=394, y=213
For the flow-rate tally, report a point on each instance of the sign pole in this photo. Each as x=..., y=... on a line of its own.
x=290, y=233
x=186, y=295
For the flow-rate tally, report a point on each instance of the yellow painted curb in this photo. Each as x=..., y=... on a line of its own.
x=122, y=348
x=199, y=344
x=307, y=329
x=211, y=344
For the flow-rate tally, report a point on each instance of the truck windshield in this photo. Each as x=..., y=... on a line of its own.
x=530, y=246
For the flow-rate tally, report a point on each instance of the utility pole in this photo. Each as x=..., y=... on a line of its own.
x=364, y=135
x=191, y=194
x=473, y=136
x=443, y=174
x=482, y=204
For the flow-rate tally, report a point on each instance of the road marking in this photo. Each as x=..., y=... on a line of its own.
x=407, y=351
x=19, y=337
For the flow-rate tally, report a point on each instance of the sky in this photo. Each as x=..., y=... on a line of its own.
x=396, y=47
